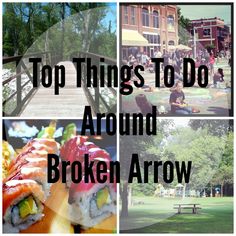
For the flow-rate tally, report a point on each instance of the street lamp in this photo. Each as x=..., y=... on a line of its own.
x=194, y=43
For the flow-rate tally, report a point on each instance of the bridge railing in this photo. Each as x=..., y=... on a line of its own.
x=15, y=98
x=101, y=99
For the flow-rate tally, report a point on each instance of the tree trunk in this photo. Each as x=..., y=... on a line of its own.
x=184, y=188
x=124, y=199
x=130, y=196
x=46, y=47
x=85, y=31
x=63, y=10
x=211, y=191
x=222, y=190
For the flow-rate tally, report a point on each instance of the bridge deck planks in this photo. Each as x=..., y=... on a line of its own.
x=69, y=103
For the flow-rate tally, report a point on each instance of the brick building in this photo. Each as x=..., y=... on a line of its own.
x=148, y=27
x=211, y=31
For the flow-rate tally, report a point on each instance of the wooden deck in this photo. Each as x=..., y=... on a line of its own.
x=69, y=103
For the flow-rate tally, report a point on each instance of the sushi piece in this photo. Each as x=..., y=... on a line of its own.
x=22, y=204
x=29, y=162
x=75, y=150
x=35, y=173
x=25, y=188
x=36, y=158
x=91, y=203
x=49, y=145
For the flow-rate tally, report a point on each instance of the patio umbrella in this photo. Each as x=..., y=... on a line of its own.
x=183, y=47
x=171, y=47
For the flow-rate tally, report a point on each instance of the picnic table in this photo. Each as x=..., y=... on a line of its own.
x=192, y=206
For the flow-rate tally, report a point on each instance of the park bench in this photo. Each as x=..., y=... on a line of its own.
x=192, y=206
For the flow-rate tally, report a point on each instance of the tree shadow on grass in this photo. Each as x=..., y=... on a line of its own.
x=208, y=220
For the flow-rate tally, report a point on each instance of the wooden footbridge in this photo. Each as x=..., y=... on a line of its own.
x=42, y=102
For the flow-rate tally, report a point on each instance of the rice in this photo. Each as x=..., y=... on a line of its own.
x=84, y=209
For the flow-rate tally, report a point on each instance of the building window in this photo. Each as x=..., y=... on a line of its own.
x=207, y=32
x=145, y=17
x=126, y=15
x=170, y=23
x=132, y=20
x=152, y=39
x=171, y=43
x=156, y=19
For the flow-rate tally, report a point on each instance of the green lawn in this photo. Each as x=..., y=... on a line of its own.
x=157, y=215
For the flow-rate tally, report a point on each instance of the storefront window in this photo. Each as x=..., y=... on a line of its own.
x=152, y=39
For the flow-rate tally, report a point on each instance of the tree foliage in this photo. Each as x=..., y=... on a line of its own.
x=204, y=150
x=207, y=143
x=62, y=28
x=224, y=174
x=183, y=28
x=137, y=144
x=214, y=127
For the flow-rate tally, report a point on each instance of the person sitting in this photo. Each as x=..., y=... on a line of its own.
x=177, y=100
x=218, y=77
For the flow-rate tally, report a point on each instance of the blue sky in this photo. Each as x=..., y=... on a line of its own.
x=111, y=16
x=206, y=11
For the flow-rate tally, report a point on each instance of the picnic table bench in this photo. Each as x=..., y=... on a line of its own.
x=192, y=206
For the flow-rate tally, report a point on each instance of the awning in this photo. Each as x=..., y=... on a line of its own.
x=133, y=38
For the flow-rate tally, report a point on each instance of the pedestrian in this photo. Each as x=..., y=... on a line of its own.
x=218, y=77
x=177, y=100
x=211, y=64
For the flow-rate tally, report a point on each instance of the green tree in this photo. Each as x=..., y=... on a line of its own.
x=214, y=127
x=183, y=28
x=11, y=33
x=57, y=27
x=224, y=175
x=105, y=43
x=139, y=144
x=203, y=149
x=88, y=21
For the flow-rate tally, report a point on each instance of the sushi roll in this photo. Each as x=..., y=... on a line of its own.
x=25, y=188
x=22, y=204
x=34, y=173
x=49, y=145
x=29, y=162
x=91, y=203
x=75, y=150
x=29, y=156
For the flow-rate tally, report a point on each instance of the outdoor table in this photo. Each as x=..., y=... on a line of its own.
x=193, y=206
